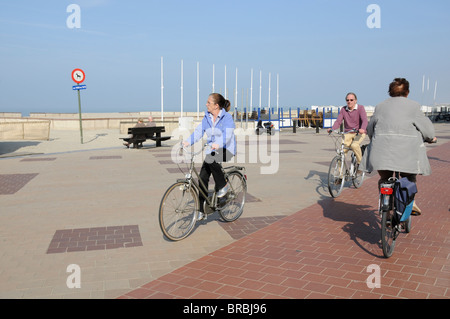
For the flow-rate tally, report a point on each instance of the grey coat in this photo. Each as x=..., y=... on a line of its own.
x=397, y=130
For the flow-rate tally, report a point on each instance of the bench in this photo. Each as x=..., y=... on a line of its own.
x=307, y=119
x=141, y=134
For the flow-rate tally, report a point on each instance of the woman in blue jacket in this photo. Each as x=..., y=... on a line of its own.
x=218, y=125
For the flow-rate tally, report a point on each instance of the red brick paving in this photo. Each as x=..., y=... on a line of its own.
x=245, y=226
x=98, y=238
x=12, y=183
x=38, y=159
x=104, y=157
x=325, y=250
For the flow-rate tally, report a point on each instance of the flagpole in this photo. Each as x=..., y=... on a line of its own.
x=236, y=95
x=251, y=90
x=260, y=87
x=225, y=91
x=269, y=90
x=423, y=87
x=162, y=90
x=198, y=89
x=181, y=88
x=278, y=90
x=435, y=88
x=213, y=89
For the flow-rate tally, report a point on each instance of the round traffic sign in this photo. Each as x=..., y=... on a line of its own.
x=78, y=76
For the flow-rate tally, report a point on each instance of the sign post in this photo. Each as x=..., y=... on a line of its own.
x=78, y=77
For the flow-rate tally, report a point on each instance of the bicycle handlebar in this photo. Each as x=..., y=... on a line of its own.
x=429, y=141
x=204, y=146
x=341, y=133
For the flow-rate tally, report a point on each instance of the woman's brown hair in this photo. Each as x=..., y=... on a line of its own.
x=399, y=87
x=221, y=101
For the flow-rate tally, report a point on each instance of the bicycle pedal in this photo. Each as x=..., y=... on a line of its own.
x=207, y=209
x=223, y=201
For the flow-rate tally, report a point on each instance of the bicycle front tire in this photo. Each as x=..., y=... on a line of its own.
x=235, y=201
x=336, y=176
x=177, y=211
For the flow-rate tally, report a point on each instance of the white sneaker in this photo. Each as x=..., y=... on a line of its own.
x=222, y=192
x=201, y=216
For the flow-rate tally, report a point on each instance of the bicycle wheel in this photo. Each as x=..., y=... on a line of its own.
x=336, y=176
x=177, y=212
x=235, y=199
x=388, y=233
x=407, y=225
x=358, y=177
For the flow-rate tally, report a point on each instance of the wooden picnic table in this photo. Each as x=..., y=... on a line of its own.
x=141, y=134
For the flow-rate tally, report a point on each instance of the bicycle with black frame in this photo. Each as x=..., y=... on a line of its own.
x=396, y=200
x=180, y=206
x=391, y=223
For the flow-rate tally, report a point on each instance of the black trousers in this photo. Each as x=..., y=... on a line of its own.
x=213, y=165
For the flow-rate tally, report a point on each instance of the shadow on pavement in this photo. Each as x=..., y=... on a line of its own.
x=11, y=147
x=363, y=224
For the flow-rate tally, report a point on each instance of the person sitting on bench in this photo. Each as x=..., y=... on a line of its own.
x=150, y=122
x=140, y=123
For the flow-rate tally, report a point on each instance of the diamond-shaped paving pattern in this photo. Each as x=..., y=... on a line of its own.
x=12, y=183
x=96, y=238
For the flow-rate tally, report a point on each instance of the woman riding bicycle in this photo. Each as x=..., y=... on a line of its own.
x=219, y=127
x=397, y=130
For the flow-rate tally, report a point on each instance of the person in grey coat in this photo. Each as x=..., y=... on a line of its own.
x=397, y=131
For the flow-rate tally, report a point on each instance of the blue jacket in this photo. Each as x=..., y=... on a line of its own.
x=222, y=133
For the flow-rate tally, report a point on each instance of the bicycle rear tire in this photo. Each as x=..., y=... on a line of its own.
x=235, y=200
x=388, y=233
x=336, y=176
x=407, y=225
x=178, y=211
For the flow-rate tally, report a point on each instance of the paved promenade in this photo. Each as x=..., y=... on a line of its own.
x=91, y=210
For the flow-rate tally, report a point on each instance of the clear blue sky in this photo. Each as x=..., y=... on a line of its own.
x=320, y=50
